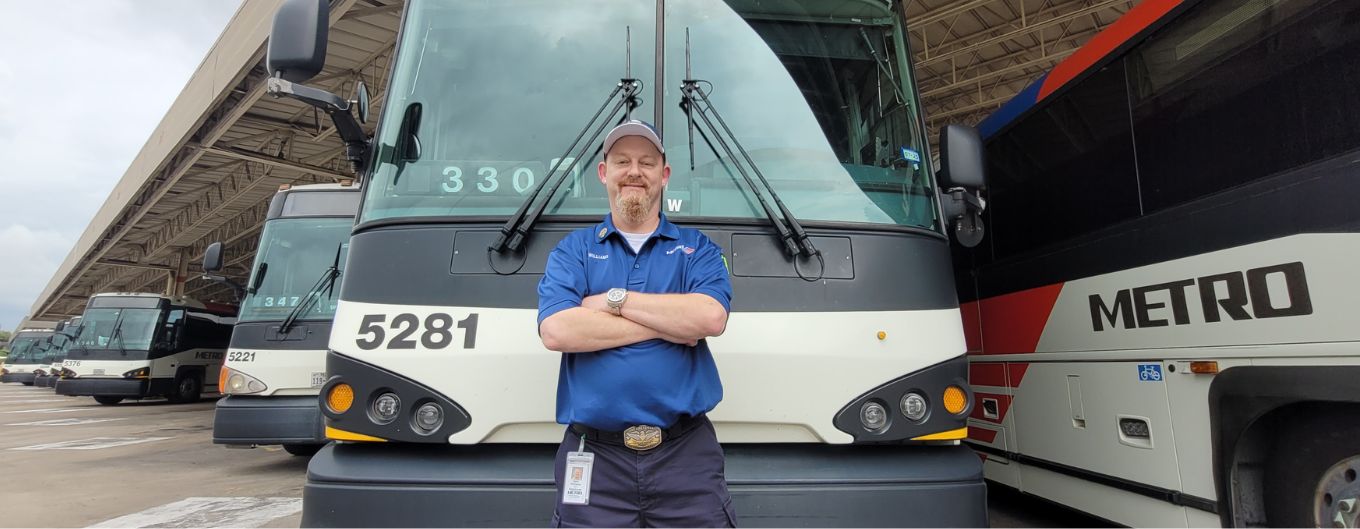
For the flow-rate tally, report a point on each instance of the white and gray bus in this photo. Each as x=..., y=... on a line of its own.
x=24, y=349
x=843, y=361
x=136, y=345
x=63, y=336
x=1162, y=321
x=277, y=359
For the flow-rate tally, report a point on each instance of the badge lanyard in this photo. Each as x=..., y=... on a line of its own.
x=576, y=480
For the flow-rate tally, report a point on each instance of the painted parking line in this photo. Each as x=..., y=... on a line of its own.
x=210, y=512
x=34, y=401
x=93, y=443
x=45, y=410
x=64, y=422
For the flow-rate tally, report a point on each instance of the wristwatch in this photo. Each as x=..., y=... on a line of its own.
x=615, y=298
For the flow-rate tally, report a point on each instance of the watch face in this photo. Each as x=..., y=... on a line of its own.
x=616, y=295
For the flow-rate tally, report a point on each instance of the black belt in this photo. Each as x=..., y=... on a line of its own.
x=681, y=427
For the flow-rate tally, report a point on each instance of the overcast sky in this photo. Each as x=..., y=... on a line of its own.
x=82, y=86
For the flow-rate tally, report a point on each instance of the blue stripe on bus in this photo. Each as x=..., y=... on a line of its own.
x=1012, y=110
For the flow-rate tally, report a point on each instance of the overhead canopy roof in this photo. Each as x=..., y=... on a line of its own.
x=209, y=169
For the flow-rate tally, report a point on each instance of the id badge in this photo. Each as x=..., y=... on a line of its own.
x=576, y=485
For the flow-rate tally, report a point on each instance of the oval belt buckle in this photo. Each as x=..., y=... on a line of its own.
x=642, y=438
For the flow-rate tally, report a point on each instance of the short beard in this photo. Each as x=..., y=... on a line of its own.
x=632, y=208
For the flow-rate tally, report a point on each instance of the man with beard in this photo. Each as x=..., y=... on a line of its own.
x=629, y=303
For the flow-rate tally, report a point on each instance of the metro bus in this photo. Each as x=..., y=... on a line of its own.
x=276, y=362
x=63, y=336
x=1161, y=323
x=844, y=371
x=24, y=347
x=137, y=345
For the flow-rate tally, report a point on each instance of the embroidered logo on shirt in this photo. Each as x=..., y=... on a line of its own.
x=597, y=256
x=680, y=248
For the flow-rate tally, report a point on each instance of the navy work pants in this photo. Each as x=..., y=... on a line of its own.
x=677, y=484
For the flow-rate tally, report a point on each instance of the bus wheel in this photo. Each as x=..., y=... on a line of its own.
x=302, y=450
x=1313, y=481
x=108, y=401
x=188, y=387
x=28, y=383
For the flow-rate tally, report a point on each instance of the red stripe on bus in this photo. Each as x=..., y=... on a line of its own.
x=1013, y=323
x=987, y=374
x=1105, y=42
x=1015, y=372
x=982, y=434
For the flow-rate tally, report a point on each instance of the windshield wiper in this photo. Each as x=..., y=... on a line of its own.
x=695, y=101
x=118, y=335
x=325, y=283
x=517, y=228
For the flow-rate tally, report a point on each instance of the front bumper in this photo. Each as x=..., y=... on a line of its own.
x=23, y=378
x=772, y=485
x=241, y=420
x=45, y=381
x=114, y=387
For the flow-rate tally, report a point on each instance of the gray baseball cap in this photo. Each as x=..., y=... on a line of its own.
x=633, y=128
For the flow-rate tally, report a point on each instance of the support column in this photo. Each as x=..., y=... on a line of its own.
x=179, y=275
x=182, y=272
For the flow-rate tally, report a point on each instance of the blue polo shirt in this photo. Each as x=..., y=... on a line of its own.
x=652, y=382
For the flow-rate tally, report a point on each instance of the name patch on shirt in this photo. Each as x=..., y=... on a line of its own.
x=680, y=248
x=597, y=256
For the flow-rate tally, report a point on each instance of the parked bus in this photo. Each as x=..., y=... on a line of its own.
x=277, y=359
x=844, y=371
x=136, y=345
x=62, y=337
x=24, y=348
x=1160, y=321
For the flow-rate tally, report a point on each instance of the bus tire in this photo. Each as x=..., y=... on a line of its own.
x=188, y=387
x=28, y=383
x=304, y=450
x=108, y=401
x=1315, y=460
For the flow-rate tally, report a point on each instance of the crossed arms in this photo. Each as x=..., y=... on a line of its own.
x=677, y=318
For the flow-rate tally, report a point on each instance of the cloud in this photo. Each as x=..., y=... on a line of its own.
x=29, y=258
x=85, y=88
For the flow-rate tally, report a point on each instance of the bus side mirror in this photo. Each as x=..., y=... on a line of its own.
x=297, y=40
x=963, y=174
x=212, y=258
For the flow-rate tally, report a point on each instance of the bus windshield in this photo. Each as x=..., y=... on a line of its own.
x=118, y=329
x=814, y=90
x=24, y=347
x=294, y=254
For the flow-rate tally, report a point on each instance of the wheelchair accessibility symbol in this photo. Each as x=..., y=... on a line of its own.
x=1150, y=372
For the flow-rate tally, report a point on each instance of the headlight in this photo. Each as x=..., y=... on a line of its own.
x=141, y=372
x=429, y=417
x=238, y=383
x=914, y=406
x=386, y=407
x=873, y=416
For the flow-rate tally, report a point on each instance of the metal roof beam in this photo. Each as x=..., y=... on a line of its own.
x=131, y=264
x=941, y=13
x=250, y=156
x=1066, y=17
